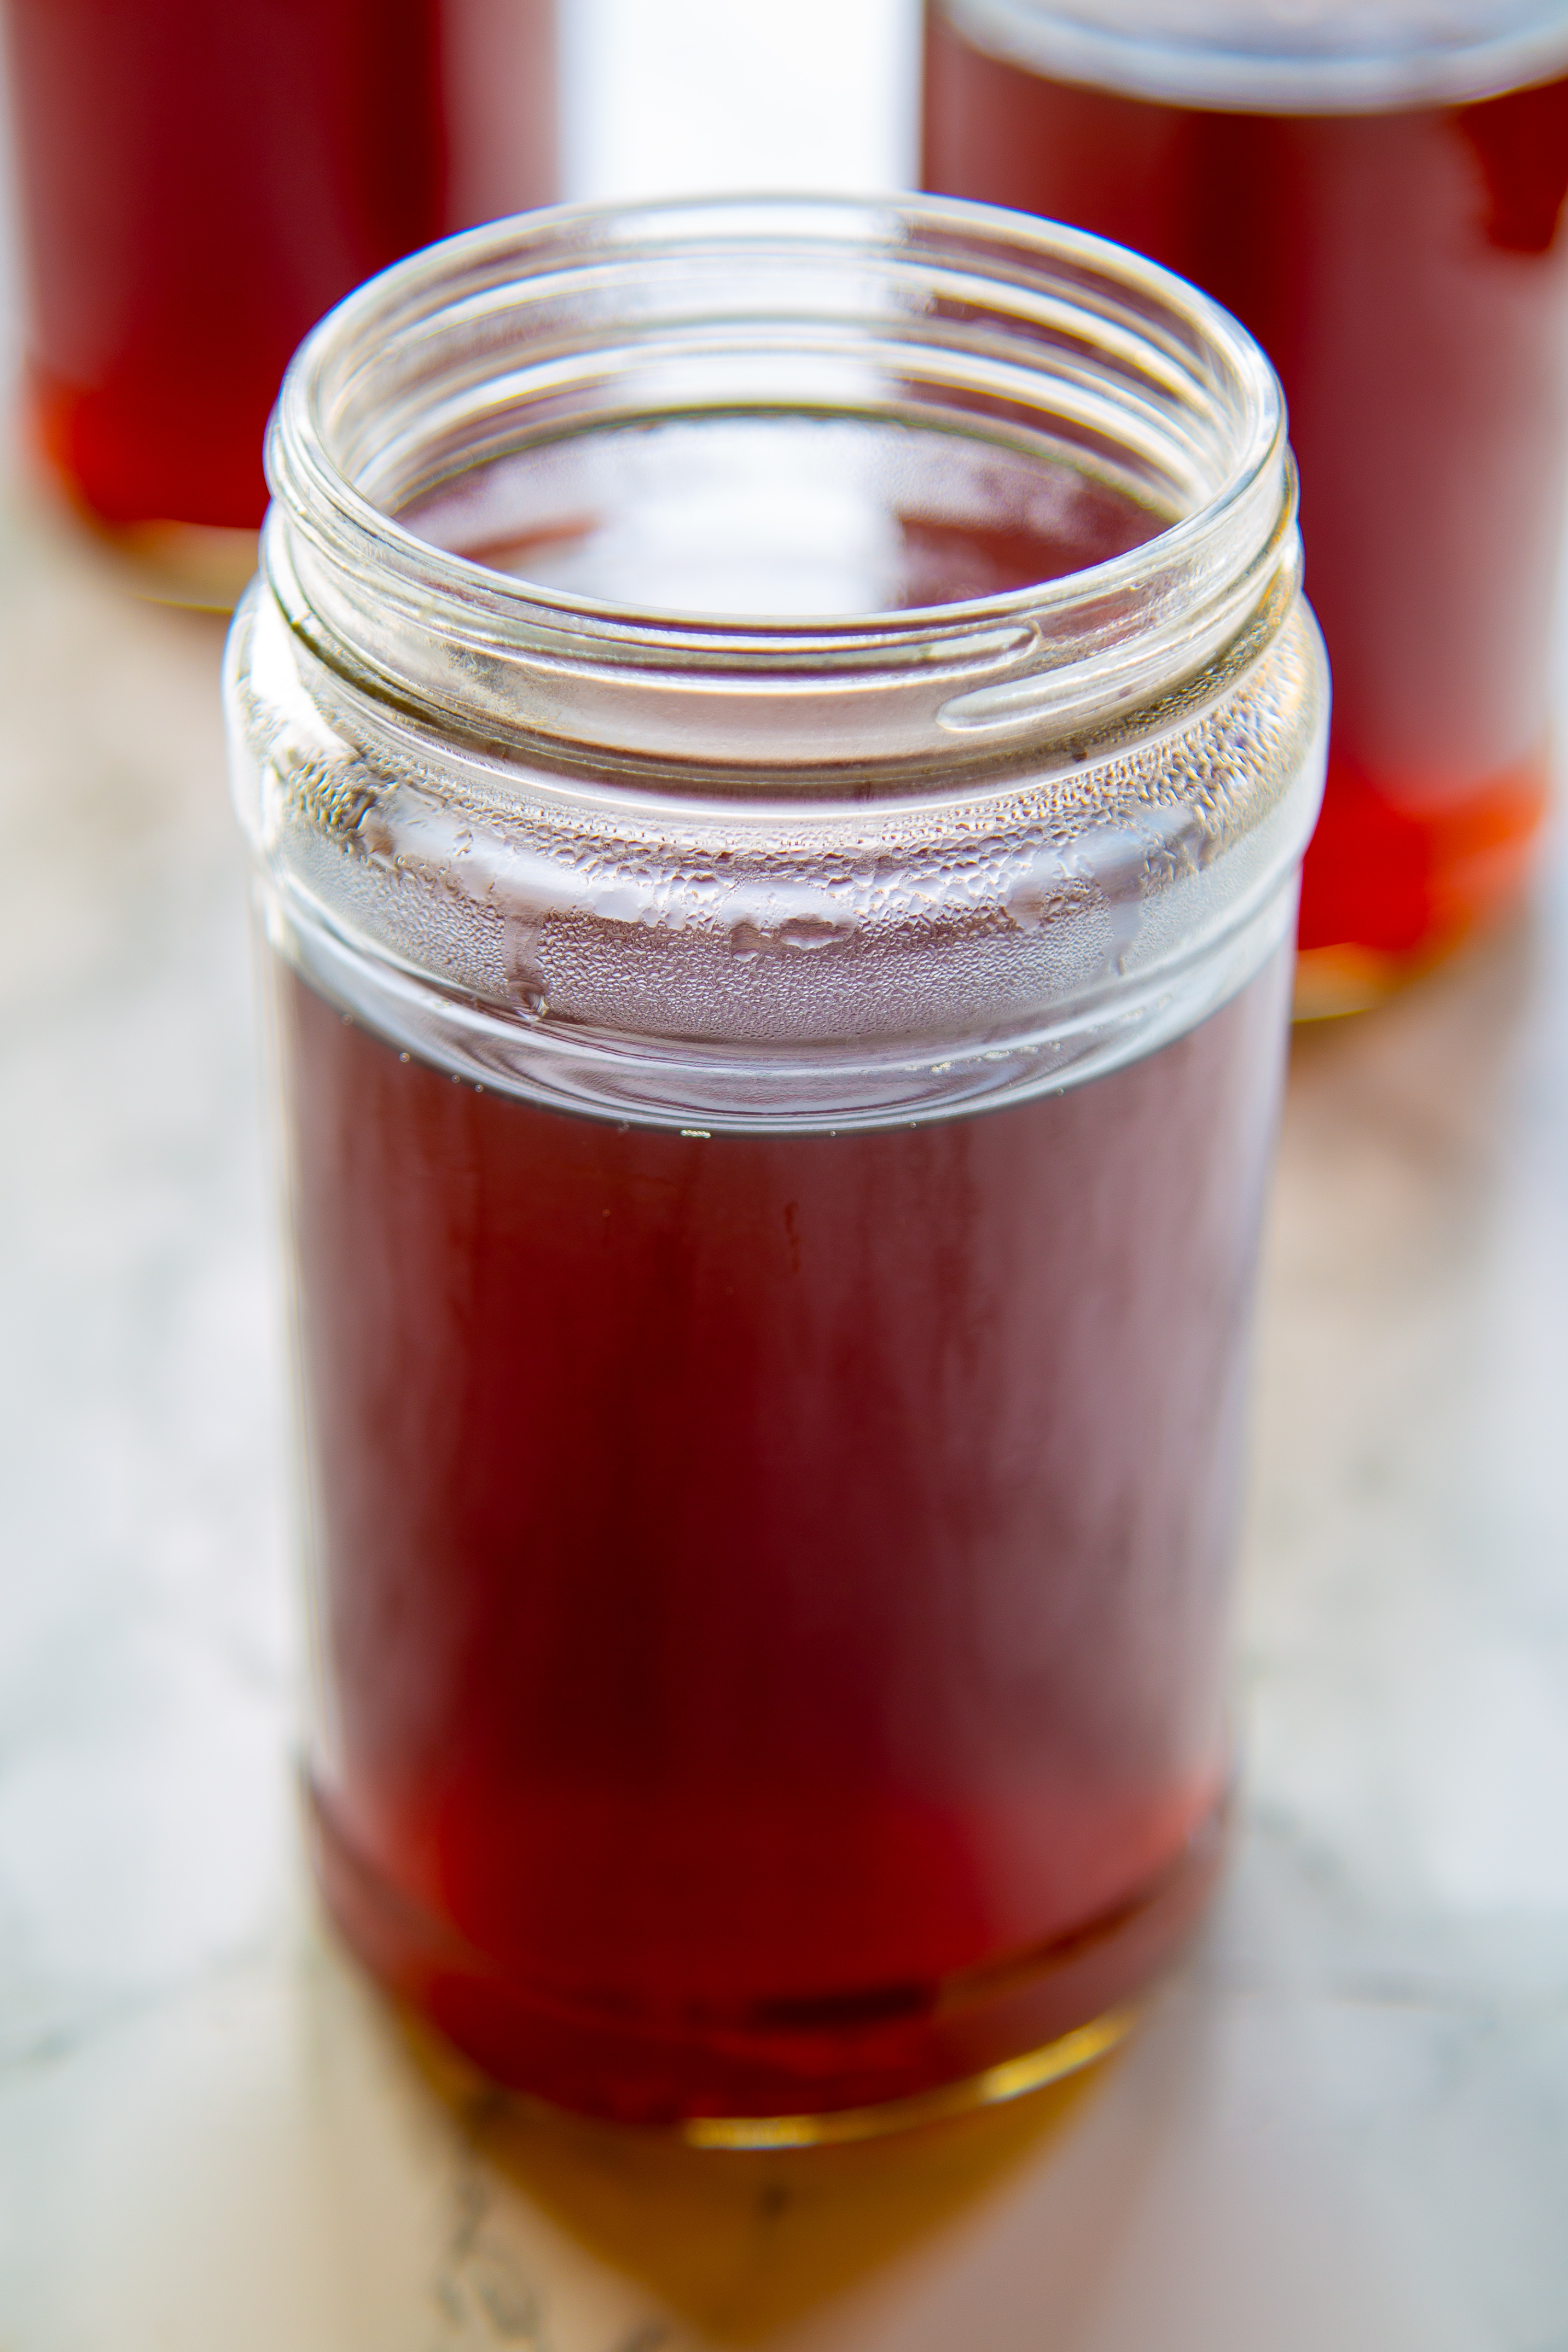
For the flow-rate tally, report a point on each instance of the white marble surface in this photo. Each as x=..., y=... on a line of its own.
x=1345, y=2125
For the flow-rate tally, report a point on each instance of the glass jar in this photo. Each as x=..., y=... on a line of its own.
x=197, y=185
x=1378, y=193
x=776, y=739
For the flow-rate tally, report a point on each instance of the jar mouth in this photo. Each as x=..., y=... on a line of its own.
x=1329, y=56
x=1025, y=344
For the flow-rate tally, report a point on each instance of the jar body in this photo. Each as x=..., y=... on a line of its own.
x=1391, y=229
x=197, y=186
x=773, y=1249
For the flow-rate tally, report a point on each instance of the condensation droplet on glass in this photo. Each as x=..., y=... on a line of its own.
x=1030, y=904
x=798, y=934
x=805, y=932
x=526, y=985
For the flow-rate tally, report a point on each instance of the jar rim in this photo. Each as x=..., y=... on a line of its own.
x=972, y=287
x=1339, y=57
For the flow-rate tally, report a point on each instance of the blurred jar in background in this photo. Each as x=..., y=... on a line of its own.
x=198, y=184
x=1378, y=194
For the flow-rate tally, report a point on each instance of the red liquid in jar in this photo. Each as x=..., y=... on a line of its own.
x=200, y=183
x=1407, y=273
x=770, y=1585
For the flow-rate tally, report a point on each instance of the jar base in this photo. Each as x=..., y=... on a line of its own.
x=201, y=566
x=734, y=2078
x=1396, y=884
x=993, y=2087
x=1333, y=982
x=455, y=2076
x=205, y=567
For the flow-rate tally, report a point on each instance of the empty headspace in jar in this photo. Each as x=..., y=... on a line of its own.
x=769, y=514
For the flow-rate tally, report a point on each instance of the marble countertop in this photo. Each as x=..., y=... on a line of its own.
x=1344, y=2124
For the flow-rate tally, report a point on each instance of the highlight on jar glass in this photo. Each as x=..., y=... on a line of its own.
x=197, y=185
x=776, y=740
x=1378, y=194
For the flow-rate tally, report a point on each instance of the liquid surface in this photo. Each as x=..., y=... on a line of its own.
x=781, y=515
x=766, y=1581
x=1407, y=273
x=200, y=183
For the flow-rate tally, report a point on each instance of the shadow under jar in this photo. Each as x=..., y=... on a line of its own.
x=776, y=739
x=1378, y=194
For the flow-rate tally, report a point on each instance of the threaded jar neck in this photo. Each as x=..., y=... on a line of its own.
x=598, y=739
x=548, y=355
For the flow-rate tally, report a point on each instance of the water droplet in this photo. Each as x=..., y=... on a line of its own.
x=529, y=993
x=806, y=932
x=797, y=934
x=376, y=840
x=526, y=983
x=1043, y=895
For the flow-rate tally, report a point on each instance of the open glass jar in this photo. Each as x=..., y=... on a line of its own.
x=776, y=739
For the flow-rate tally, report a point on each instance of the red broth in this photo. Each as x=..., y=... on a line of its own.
x=1407, y=273
x=199, y=183
x=770, y=1585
